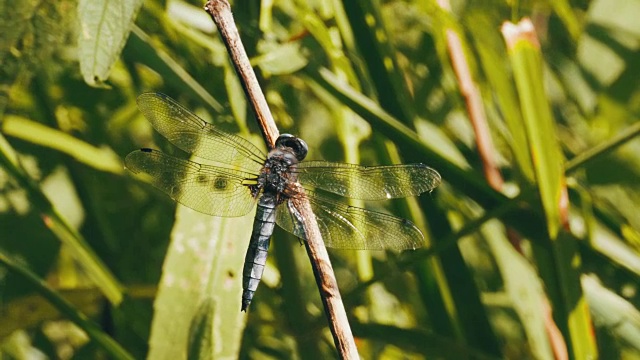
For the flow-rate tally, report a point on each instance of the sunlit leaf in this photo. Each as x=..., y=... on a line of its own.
x=104, y=29
x=201, y=284
x=103, y=159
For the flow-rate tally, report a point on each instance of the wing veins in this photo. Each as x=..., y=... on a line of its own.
x=174, y=121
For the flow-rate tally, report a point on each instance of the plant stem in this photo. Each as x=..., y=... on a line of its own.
x=220, y=12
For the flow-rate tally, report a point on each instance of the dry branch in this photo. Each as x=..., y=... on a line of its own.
x=220, y=12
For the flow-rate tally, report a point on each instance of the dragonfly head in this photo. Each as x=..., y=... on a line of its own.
x=298, y=145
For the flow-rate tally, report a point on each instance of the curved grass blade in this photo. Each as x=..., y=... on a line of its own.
x=103, y=340
x=96, y=269
x=103, y=159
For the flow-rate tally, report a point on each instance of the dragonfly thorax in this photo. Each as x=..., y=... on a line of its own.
x=278, y=173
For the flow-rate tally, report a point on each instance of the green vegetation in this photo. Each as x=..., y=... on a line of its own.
x=533, y=238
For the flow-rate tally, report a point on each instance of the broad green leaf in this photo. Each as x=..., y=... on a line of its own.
x=104, y=29
x=201, y=286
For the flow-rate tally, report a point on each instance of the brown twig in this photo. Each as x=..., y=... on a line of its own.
x=220, y=12
x=475, y=108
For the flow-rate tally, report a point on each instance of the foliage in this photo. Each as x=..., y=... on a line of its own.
x=509, y=271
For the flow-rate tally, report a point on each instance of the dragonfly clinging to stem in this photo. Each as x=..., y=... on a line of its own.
x=243, y=176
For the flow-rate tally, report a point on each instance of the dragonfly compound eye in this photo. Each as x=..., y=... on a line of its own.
x=298, y=145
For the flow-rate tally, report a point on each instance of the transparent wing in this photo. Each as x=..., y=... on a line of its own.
x=194, y=135
x=369, y=182
x=208, y=189
x=348, y=227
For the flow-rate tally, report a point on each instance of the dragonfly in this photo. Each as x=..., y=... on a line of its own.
x=240, y=177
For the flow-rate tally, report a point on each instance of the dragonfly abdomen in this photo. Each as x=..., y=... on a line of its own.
x=256, y=257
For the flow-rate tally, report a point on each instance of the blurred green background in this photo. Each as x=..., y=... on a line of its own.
x=541, y=262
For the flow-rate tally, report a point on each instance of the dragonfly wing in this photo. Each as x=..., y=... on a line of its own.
x=369, y=182
x=194, y=135
x=349, y=227
x=208, y=189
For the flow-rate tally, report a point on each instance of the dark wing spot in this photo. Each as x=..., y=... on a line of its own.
x=201, y=179
x=220, y=183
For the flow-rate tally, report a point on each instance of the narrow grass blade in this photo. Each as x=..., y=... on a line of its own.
x=103, y=159
x=140, y=46
x=379, y=56
x=538, y=121
x=491, y=57
x=524, y=287
x=96, y=269
x=558, y=256
x=103, y=340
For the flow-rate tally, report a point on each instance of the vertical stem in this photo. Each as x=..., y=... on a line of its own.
x=327, y=285
x=475, y=108
x=220, y=12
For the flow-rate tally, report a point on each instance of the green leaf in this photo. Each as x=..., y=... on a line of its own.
x=172, y=72
x=32, y=34
x=201, y=341
x=540, y=128
x=104, y=28
x=103, y=159
x=612, y=311
x=524, y=288
x=203, y=267
x=59, y=226
x=237, y=99
x=493, y=62
x=377, y=49
x=281, y=59
x=112, y=348
x=558, y=256
x=29, y=311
